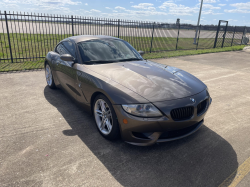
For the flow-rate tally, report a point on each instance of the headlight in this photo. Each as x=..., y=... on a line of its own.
x=142, y=110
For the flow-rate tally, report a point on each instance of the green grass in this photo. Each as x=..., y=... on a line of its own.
x=36, y=45
x=28, y=65
x=163, y=43
x=28, y=45
x=169, y=54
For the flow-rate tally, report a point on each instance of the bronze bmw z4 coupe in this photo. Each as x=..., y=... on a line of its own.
x=142, y=102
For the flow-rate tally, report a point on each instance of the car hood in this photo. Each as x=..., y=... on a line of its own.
x=153, y=81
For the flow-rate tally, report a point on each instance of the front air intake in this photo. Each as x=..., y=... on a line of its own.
x=184, y=113
x=202, y=107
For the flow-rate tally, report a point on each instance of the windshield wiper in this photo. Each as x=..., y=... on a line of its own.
x=129, y=59
x=111, y=61
x=98, y=61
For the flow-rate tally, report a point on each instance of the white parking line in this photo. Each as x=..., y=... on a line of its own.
x=225, y=76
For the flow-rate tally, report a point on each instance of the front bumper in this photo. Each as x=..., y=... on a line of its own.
x=147, y=131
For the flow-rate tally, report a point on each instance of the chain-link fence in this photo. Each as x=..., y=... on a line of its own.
x=30, y=36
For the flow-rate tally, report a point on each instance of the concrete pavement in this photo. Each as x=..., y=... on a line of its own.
x=46, y=140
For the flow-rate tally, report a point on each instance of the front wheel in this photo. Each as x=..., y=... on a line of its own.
x=105, y=118
x=49, y=76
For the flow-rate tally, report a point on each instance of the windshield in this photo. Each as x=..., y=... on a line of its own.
x=107, y=50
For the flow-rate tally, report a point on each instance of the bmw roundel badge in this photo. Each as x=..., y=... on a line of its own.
x=193, y=100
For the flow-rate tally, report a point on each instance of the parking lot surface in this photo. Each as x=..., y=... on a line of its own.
x=47, y=140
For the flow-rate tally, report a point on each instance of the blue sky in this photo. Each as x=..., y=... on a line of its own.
x=235, y=11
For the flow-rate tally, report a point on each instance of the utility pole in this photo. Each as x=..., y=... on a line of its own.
x=198, y=22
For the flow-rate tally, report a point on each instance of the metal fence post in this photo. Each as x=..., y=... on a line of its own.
x=178, y=36
x=225, y=33
x=118, y=28
x=243, y=34
x=198, y=38
x=72, y=21
x=152, y=37
x=233, y=36
x=6, y=20
x=216, y=37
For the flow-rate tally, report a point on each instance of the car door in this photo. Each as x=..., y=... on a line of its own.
x=66, y=70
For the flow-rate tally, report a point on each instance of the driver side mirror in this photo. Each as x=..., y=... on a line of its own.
x=141, y=53
x=67, y=57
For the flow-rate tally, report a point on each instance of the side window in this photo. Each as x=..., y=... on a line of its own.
x=61, y=49
x=70, y=47
x=66, y=48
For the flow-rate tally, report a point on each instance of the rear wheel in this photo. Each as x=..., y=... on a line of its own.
x=105, y=118
x=49, y=76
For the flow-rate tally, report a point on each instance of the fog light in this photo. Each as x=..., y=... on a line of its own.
x=125, y=121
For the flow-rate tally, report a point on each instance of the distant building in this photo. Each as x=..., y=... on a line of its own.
x=178, y=21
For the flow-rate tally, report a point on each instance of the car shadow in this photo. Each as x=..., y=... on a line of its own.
x=202, y=159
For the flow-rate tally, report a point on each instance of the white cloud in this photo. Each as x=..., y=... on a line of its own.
x=10, y=5
x=209, y=1
x=135, y=14
x=56, y=9
x=144, y=6
x=237, y=11
x=65, y=2
x=151, y=8
x=167, y=4
x=232, y=20
x=94, y=10
x=241, y=5
x=44, y=2
x=208, y=6
x=145, y=12
x=9, y=1
x=239, y=8
x=178, y=10
x=140, y=11
x=55, y=6
x=211, y=12
x=182, y=10
x=120, y=8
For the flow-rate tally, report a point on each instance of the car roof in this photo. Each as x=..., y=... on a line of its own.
x=82, y=38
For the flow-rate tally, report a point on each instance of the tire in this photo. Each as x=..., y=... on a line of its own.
x=49, y=77
x=106, y=122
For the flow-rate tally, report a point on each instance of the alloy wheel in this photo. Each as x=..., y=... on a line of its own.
x=48, y=75
x=103, y=116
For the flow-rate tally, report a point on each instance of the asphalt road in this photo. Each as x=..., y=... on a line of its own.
x=80, y=29
x=46, y=140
